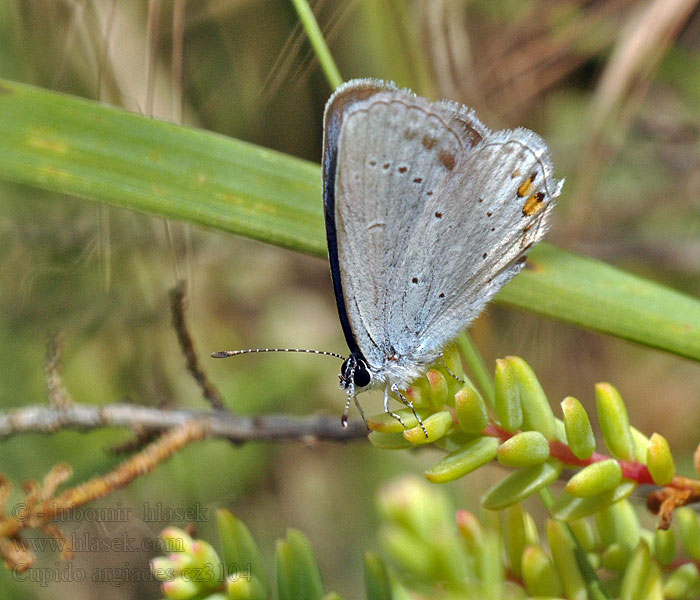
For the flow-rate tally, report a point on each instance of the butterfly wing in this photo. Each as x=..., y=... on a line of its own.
x=488, y=213
x=405, y=184
x=380, y=143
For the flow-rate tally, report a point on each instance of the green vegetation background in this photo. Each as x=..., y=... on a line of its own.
x=100, y=275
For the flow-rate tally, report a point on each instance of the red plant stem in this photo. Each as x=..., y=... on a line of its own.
x=633, y=470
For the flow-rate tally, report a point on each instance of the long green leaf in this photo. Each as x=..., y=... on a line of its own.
x=592, y=294
x=87, y=149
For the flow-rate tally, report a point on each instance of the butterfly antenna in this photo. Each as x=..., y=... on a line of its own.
x=227, y=353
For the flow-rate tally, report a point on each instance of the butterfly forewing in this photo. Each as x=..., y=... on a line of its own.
x=394, y=149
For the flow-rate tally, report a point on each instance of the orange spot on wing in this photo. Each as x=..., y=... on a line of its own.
x=526, y=186
x=533, y=204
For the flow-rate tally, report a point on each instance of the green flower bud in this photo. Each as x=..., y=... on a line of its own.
x=654, y=588
x=539, y=574
x=636, y=574
x=567, y=507
x=506, y=405
x=163, y=569
x=438, y=388
x=437, y=425
x=515, y=537
x=683, y=583
x=453, y=360
x=524, y=449
x=408, y=550
x=664, y=546
x=641, y=442
x=471, y=410
x=176, y=540
x=204, y=554
x=537, y=413
x=470, y=529
x=181, y=561
x=532, y=533
x=616, y=557
x=659, y=460
x=180, y=588
x=389, y=441
x=385, y=423
x=689, y=530
x=466, y=459
x=618, y=524
x=584, y=534
x=521, y=484
x=245, y=588
x=579, y=434
x=614, y=421
x=419, y=394
x=561, y=547
x=595, y=479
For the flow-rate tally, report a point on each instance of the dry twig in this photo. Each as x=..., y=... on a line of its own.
x=177, y=307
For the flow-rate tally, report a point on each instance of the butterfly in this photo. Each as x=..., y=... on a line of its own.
x=428, y=215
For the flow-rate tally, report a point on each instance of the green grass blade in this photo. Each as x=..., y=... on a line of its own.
x=589, y=293
x=87, y=149
x=318, y=42
x=79, y=147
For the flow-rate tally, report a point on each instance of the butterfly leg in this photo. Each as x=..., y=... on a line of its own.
x=359, y=408
x=449, y=372
x=388, y=410
x=406, y=402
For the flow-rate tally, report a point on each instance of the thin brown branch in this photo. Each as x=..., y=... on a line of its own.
x=38, y=510
x=42, y=505
x=177, y=308
x=58, y=394
x=85, y=417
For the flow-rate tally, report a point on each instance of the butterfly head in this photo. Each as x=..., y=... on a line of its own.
x=354, y=373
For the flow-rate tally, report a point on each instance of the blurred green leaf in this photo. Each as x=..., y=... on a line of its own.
x=567, y=507
x=520, y=484
x=377, y=583
x=298, y=577
x=239, y=548
x=80, y=147
x=562, y=285
x=75, y=146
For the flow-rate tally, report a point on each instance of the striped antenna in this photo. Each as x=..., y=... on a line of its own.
x=227, y=353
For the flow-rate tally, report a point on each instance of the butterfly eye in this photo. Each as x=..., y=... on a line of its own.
x=355, y=369
x=362, y=376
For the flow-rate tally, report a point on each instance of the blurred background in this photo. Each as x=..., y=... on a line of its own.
x=612, y=85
